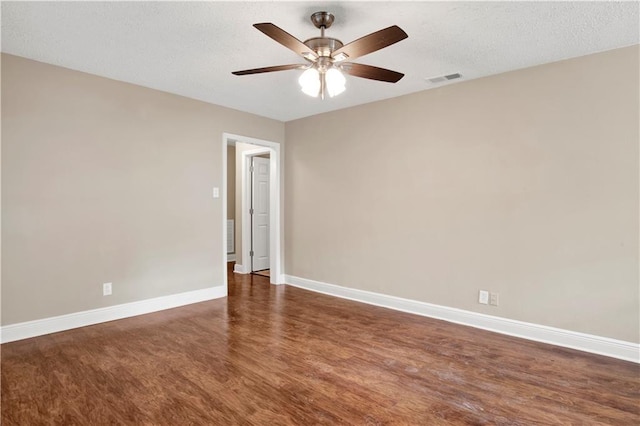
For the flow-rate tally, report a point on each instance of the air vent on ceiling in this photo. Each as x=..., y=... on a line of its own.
x=442, y=78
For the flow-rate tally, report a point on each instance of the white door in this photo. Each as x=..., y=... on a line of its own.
x=260, y=214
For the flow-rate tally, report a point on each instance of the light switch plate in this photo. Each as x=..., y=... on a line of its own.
x=106, y=289
x=216, y=192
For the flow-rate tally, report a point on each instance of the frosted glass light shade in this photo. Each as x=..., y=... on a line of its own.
x=335, y=82
x=310, y=82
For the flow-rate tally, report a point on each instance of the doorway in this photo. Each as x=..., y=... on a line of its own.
x=243, y=219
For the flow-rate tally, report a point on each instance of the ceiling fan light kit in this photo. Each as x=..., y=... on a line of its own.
x=315, y=81
x=310, y=82
x=326, y=56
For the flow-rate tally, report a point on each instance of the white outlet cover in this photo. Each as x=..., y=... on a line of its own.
x=493, y=299
x=483, y=297
x=216, y=192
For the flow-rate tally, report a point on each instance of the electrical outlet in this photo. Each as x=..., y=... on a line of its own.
x=106, y=289
x=493, y=299
x=483, y=297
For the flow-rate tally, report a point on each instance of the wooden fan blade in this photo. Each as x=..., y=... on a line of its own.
x=370, y=43
x=287, y=40
x=270, y=69
x=371, y=72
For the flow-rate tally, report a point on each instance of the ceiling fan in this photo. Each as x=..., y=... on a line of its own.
x=327, y=57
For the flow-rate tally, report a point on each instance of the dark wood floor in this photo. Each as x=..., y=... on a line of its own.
x=270, y=355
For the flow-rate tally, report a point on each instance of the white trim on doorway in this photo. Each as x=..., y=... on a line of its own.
x=276, y=246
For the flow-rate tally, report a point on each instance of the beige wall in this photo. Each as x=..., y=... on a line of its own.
x=104, y=181
x=524, y=183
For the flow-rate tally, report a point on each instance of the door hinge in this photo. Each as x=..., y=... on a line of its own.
x=251, y=253
x=251, y=169
x=250, y=211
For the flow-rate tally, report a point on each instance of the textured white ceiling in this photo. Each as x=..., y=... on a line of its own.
x=190, y=48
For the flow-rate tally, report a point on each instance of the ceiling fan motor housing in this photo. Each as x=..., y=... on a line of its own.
x=323, y=46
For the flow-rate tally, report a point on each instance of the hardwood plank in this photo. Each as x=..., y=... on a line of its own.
x=285, y=356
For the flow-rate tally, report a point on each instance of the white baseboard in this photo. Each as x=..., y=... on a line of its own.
x=231, y=257
x=570, y=339
x=24, y=330
x=239, y=269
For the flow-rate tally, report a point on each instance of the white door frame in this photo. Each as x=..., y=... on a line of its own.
x=275, y=230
